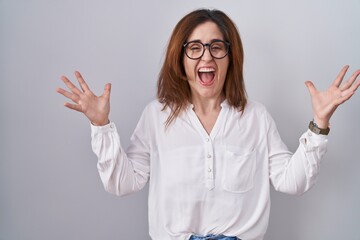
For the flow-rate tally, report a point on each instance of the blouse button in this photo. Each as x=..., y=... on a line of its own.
x=209, y=156
x=209, y=169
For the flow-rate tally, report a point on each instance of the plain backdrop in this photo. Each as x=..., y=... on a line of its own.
x=49, y=185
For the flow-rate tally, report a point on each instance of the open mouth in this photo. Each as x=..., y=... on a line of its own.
x=206, y=76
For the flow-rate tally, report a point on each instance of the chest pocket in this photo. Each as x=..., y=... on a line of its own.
x=238, y=172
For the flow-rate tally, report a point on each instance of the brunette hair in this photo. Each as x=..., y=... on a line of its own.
x=173, y=89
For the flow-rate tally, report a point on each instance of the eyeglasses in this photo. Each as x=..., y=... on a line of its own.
x=195, y=49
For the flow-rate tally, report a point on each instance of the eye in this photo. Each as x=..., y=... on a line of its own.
x=217, y=47
x=195, y=47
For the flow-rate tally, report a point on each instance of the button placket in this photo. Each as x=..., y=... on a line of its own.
x=209, y=164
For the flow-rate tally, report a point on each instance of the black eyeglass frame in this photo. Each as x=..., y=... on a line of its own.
x=227, y=44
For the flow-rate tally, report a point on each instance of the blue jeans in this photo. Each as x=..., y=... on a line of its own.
x=213, y=237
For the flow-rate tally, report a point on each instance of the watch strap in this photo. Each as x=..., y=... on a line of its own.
x=315, y=129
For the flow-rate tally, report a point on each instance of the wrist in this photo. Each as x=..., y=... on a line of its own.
x=321, y=123
x=103, y=123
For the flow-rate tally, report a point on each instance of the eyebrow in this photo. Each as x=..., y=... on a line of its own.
x=212, y=40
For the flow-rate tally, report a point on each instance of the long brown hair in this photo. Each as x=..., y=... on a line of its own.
x=173, y=88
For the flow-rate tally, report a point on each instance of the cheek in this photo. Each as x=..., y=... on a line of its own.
x=190, y=69
x=224, y=68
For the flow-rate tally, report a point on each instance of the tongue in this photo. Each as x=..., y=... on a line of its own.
x=206, y=76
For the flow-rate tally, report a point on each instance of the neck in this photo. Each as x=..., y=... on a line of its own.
x=205, y=106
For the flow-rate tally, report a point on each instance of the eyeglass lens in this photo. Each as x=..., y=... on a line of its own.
x=195, y=50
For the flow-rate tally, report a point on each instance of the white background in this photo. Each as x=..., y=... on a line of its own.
x=49, y=185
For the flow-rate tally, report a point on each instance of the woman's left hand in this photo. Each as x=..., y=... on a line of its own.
x=325, y=103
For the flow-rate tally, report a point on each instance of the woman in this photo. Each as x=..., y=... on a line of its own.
x=207, y=152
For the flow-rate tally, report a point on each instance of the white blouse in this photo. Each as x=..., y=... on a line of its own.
x=207, y=184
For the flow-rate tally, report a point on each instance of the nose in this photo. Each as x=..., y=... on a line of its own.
x=207, y=55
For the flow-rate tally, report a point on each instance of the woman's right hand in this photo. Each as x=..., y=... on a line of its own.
x=95, y=108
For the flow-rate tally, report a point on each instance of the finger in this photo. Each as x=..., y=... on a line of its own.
x=340, y=76
x=75, y=98
x=82, y=82
x=348, y=93
x=351, y=80
x=343, y=98
x=107, y=90
x=354, y=87
x=70, y=85
x=75, y=107
x=310, y=86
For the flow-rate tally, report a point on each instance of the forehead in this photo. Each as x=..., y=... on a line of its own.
x=206, y=32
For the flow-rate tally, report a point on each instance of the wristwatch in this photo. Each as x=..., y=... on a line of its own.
x=315, y=129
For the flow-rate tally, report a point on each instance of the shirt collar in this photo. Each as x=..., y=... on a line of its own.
x=223, y=104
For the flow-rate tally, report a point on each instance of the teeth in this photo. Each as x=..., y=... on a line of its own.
x=206, y=70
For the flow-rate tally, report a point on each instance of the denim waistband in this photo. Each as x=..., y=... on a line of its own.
x=212, y=237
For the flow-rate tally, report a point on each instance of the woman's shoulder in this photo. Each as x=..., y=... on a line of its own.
x=253, y=106
x=154, y=106
x=155, y=109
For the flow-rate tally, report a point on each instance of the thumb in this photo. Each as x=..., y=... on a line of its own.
x=310, y=86
x=107, y=90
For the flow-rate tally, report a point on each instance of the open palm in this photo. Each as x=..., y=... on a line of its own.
x=325, y=103
x=95, y=108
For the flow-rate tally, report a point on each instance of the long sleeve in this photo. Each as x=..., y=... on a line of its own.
x=122, y=172
x=294, y=173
